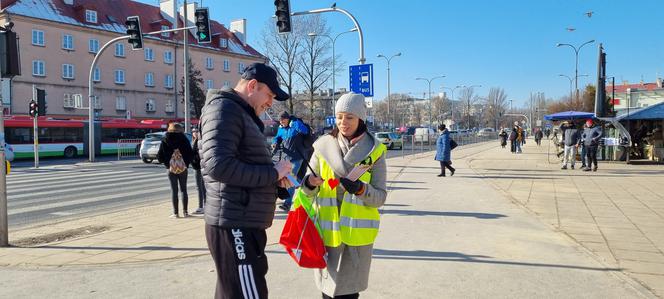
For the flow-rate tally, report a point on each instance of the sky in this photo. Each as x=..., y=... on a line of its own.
x=510, y=44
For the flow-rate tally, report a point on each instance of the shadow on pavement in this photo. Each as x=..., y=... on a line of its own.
x=165, y=248
x=445, y=214
x=405, y=188
x=405, y=182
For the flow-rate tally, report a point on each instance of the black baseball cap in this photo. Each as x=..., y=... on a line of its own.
x=266, y=75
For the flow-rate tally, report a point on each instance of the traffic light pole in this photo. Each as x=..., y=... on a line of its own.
x=91, y=114
x=187, y=115
x=35, y=128
x=4, y=235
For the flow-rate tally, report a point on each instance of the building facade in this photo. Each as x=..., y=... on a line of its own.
x=59, y=39
x=636, y=95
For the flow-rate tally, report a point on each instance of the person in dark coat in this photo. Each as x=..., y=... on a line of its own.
x=512, y=138
x=443, y=150
x=591, y=136
x=176, y=140
x=503, y=137
x=196, y=165
x=538, y=136
x=240, y=180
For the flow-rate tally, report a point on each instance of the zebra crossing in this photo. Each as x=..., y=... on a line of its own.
x=51, y=193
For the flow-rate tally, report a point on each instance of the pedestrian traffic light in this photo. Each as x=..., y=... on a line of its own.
x=10, y=65
x=203, y=25
x=134, y=31
x=33, y=109
x=41, y=102
x=283, y=16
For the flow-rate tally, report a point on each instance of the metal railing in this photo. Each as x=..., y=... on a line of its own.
x=128, y=148
x=423, y=143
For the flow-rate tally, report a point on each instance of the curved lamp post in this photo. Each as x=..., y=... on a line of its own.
x=576, y=66
x=429, y=83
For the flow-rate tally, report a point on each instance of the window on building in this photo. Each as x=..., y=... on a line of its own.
x=223, y=42
x=227, y=65
x=119, y=77
x=68, y=71
x=96, y=102
x=119, y=50
x=149, y=55
x=165, y=34
x=93, y=45
x=90, y=16
x=96, y=75
x=149, y=79
x=38, y=37
x=227, y=83
x=209, y=63
x=150, y=105
x=38, y=68
x=121, y=103
x=68, y=101
x=240, y=67
x=68, y=42
x=209, y=84
x=168, y=57
x=168, y=81
x=170, y=107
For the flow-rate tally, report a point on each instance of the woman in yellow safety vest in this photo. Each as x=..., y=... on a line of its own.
x=348, y=217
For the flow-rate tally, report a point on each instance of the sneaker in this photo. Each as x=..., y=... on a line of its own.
x=440, y=175
x=185, y=214
x=595, y=169
x=587, y=169
x=572, y=166
x=198, y=211
x=284, y=207
x=564, y=167
x=174, y=216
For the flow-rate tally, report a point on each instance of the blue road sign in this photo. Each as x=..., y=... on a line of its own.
x=329, y=121
x=361, y=79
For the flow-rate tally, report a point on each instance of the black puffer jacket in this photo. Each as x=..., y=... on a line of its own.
x=170, y=143
x=236, y=163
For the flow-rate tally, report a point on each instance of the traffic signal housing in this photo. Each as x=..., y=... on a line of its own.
x=10, y=63
x=41, y=102
x=133, y=24
x=33, y=109
x=203, y=25
x=283, y=16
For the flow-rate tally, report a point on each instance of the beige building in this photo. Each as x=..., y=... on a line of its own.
x=59, y=39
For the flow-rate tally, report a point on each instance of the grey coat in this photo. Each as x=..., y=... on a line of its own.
x=348, y=266
x=591, y=136
x=240, y=179
x=571, y=136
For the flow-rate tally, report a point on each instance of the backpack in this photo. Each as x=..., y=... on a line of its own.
x=176, y=165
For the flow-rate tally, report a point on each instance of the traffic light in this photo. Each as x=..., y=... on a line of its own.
x=41, y=102
x=283, y=16
x=10, y=64
x=134, y=31
x=203, y=25
x=33, y=109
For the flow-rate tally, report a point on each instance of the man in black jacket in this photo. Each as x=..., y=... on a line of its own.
x=240, y=180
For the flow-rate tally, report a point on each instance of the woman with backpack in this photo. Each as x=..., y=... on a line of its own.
x=443, y=148
x=176, y=154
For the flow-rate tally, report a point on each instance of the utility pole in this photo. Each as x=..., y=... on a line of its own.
x=35, y=129
x=187, y=115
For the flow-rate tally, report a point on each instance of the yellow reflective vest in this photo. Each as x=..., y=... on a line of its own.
x=355, y=223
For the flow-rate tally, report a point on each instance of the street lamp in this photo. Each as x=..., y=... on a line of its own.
x=388, y=82
x=334, y=68
x=570, y=83
x=452, y=102
x=576, y=68
x=468, y=111
x=429, y=83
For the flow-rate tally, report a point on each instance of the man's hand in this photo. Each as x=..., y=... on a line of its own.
x=350, y=186
x=284, y=183
x=283, y=167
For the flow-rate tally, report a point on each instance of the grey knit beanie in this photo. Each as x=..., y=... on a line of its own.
x=352, y=103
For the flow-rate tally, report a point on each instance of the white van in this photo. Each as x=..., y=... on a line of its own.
x=424, y=135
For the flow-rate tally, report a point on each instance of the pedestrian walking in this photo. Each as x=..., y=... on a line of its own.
x=176, y=154
x=291, y=137
x=503, y=137
x=538, y=136
x=571, y=141
x=241, y=180
x=591, y=137
x=443, y=151
x=513, y=135
x=519, y=137
x=583, y=148
x=350, y=228
x=196, y=165
x=547, y=132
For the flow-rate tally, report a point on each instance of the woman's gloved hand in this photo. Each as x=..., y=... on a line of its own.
x=355, y=187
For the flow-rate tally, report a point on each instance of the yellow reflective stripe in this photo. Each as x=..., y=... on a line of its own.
x=329, y=225
x=326, y=202
x=359, y=223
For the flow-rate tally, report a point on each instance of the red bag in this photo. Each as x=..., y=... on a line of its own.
x=302, y=240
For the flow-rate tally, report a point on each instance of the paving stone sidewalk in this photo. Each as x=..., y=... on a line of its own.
x=616, y=212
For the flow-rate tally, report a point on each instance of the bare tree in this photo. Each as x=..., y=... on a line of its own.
x=282, y=51
x=314, y=63
x=496, y=102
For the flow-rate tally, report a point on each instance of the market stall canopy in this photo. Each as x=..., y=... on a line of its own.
x=653, y=112
x=568, y=115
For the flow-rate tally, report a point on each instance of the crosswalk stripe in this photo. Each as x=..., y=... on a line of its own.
x=79, y=189
x=36, y=179
x=72, y=182
x=20, y=174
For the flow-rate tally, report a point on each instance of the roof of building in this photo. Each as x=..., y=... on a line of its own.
x=651, y=112
x=111, y=15
x=639, y=86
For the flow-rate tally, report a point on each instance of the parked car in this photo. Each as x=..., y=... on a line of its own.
x=150, y=145
x=423, y=135
x=390, y=139
x=9, y=152
x=486, y=132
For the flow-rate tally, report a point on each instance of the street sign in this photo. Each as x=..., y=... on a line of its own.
x=361, y=79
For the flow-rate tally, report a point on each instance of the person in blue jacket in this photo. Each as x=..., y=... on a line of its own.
x=290, y=137
x=443, y=149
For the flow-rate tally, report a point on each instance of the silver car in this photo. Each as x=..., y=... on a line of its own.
x=150, y=145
